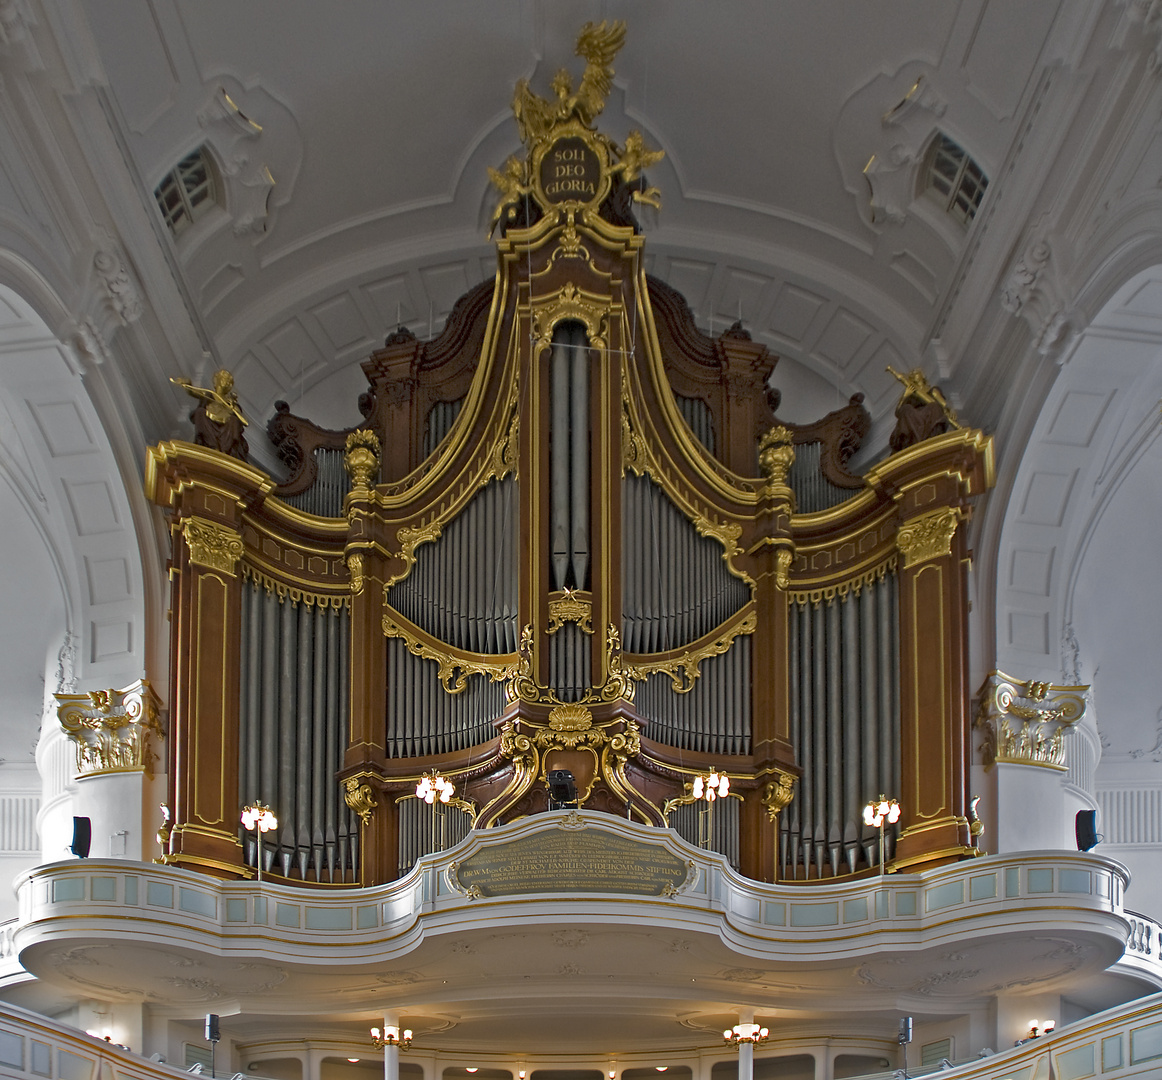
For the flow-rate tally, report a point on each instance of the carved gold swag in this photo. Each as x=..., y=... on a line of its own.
x=112, y=729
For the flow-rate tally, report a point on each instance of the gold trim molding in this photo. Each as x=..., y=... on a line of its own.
x=111, y=729
x=840, y=590
x=212, y=545
x=928, y=536
x=292, y=593
x=1025, y=723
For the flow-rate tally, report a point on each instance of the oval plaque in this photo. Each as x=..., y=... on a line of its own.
x=570, y=171
x=572, y=860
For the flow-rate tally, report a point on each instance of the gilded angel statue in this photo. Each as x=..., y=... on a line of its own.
x=635, y=158
x=217, y=418
x=598, y=43
x=513, y=185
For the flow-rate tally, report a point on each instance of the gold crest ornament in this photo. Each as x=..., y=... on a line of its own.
x=569, y=166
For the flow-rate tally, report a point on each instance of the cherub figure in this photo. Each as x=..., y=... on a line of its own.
x=217, y=418
x=513, y=185
x=635, y=158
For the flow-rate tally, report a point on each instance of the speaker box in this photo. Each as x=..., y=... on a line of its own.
x=1085, y=825
x=212, y=1032
x=82, y=837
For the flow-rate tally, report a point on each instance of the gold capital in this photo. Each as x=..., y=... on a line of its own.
x=928, y=536
x=212, y=545
x=111, y=729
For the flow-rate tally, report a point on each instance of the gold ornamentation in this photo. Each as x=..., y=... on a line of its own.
x=220, y=401
x=776, y=456
x=916, y=385
x=841, y=590
x=355, y=566
x=163, y=831
x=687, y=797
x=570, y=608
x=783, y=559
x=537, y=119
x=523, y=685
x=570, y=726
x=928, y=536
x=1026, y=722
x=359, y=798
x=338, y=601
x=410, y=538
x=212, y=545
x=111, y=729
x=454, y=666
x=635, y=158
x=777, y=794
x=513, y=184
x=571, y=303
x=683, y=669
x=361, y=459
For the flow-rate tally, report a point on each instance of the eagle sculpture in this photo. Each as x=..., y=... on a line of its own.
x=536, y=117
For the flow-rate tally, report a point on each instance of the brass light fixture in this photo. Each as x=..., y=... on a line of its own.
x=390, y=1036
x=259, y=818
x=745, y=1033
x=879, y=813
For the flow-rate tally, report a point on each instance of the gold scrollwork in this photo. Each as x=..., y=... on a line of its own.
x=359, y=798
x=783, y=559
x=212, y=545
x=928, y=536
x=569, y=607
x=454, y=668
x=777, y=793
x=111, y=729
x=1026, y=722
x=409, y=538
x=523, y=686
x=687, y=797
x=684, y=669
x=571, y=303
x=355, y=566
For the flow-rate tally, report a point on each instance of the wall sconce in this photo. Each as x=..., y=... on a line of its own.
x=391, y=1037
x=260, y=817
x=745, y=1033
x=880, y=813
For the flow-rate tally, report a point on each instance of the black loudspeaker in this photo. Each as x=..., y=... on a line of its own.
x=905, y=1035
x=1085, y=826
x=212, y=1032
x=82, y=837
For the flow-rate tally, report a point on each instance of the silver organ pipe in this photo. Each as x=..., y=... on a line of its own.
x=813, y=491
x=844, y=721
x=325, y=496
x=441, y=416
x=425, y=828
x=697, y=414
x=463, y=587
x=293, y=723
x=716, y=822
x=569, y=457
x=423, y=718
x=675, y=584
x=714, y=717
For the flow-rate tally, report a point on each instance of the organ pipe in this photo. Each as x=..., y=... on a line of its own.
x=293, y=722
x=844, y=703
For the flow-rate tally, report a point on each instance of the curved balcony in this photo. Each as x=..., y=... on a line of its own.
x=1033, y=920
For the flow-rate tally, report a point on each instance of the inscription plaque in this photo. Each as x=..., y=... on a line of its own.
x=572, y=860
x=570, y=171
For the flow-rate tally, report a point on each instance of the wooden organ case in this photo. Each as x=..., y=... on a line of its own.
x=571, y=532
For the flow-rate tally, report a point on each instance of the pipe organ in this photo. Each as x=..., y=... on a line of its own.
x=572, y=532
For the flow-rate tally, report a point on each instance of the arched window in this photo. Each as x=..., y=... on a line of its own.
x=952, y=178
x=188, y=191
